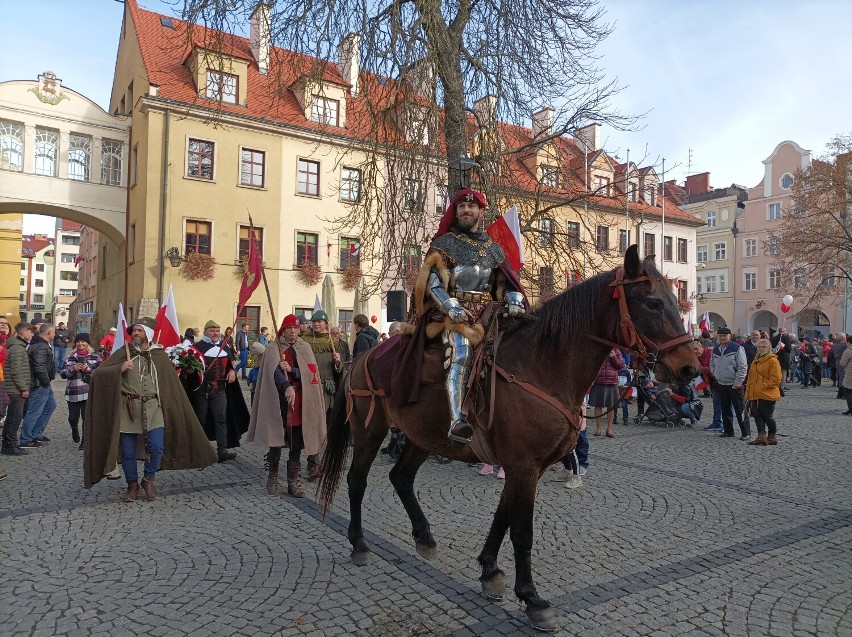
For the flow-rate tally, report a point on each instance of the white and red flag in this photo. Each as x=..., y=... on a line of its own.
x=254, y=270
x=120, y=330
x=704, y=325
x=506, y=231
x=167, y=331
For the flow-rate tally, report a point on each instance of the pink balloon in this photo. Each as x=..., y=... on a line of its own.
x=785, y=308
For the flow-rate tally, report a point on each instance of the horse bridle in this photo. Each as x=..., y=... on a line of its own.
x=632, y=339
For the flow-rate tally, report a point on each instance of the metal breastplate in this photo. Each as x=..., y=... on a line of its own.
x=471, y=278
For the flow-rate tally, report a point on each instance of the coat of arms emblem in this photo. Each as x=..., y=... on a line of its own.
x=49, y=88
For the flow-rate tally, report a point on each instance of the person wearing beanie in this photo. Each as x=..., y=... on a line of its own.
x=77, y=370
x=137, y=409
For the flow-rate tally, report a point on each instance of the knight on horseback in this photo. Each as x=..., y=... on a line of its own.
x=463, y=271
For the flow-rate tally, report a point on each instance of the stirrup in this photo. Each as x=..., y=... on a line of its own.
x=461, y=431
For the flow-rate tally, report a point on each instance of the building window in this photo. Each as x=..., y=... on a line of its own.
x=750, y=247
x=699, y=287
x=602, y=185
x=773, y=246
x=306, y=247
x=67, y=257
x=650, y=244
x=701, y=254
x=344, y=320
x=602, y=238
x=774, y=279
x=350, y=252
x=110, y=162
x=417, y=131
x=23, y=297
x=786, y=181
x=38, y=298
x=651, y=196
x=46, y=152
x=324, y=110
x=79, y=156
x=710, y=284
x=623, y=241
x=39, y=267
x=749, y=281
x=69, y=292
x=549, y=175
x=134, y=164
x=39, y=283
x=243, y=248
x=800, y=278
x=723, y=283
x=199, y=159
x=11, y=146
x=711, y=218
x=23, y=282
x=308, y=178
x=413, y=194
x=829, y=277
x=681, y=251
x=350, y=185
x=250, y=314
x=303, y=312
x=720, y=251
x=546, y=285
x=411, y=259
x=668, y=249
x=774, y=211
x=67, y=276
x=440, y=199
x=573, y=235
x=198, y=235
x=222, y=86
x=70, y=240
x=682, y=293
x=252, y=165
x=103, y=262
x=545, y=228
x=633, y=192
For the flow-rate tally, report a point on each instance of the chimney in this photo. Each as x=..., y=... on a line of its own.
x=542, y=122
x=588, y=138
x=259, y=36
x=698, y=184
x=349, y=60
x=485, y=111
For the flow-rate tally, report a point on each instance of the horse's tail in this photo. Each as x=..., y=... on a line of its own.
x=336, y=450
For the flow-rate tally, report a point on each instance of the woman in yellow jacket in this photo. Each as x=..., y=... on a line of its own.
x=763, y=391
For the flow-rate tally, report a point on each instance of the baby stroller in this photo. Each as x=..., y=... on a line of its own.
x=658, y=409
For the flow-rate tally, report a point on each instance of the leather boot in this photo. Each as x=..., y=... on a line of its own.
x=75, y=433
x=313, y=470
x=273, y=459
x=132, y=492
x=772, y=439
x=148, y=487
x=294, y=486
x=759, y=441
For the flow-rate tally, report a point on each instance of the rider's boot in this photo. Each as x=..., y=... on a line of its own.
x=460, y=429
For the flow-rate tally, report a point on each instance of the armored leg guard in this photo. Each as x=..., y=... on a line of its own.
x=460, y=429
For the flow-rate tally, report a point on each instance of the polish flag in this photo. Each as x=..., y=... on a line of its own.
x=167, y=332
x=506, y=231
x=699, y=383
x=704, y=325
x=120, y=330
x=355, y=249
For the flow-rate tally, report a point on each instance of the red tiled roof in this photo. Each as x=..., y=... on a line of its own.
x=31, y=245
x=165, y=50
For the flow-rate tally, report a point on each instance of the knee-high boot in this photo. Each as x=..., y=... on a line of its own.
x=294, y=486
x=273, y=459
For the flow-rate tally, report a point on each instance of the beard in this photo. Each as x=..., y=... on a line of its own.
x=468, y=224
x=139, y=342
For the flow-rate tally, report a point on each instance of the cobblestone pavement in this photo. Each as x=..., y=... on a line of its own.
x=675, y=532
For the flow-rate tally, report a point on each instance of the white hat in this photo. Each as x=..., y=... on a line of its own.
x=112, y=329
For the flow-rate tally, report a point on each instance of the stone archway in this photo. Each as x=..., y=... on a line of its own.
x=716, y=321
x=813, y=322
x=763, y=320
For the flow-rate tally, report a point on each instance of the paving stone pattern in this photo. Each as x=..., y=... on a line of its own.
x=675, y=532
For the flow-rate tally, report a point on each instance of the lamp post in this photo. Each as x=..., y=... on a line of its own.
x=463, y=166
x=173, y=255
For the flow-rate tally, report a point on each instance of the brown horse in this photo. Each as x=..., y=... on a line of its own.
x=557, y=351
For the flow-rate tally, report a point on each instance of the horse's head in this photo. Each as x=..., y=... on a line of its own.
x=653, y=309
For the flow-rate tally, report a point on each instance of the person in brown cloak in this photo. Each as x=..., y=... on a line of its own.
x=288, y=407
x=137, y=410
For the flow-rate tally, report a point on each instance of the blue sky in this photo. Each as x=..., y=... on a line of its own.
x=726, y=79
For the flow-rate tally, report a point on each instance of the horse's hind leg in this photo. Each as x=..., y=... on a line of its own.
x=493, y=578
x=366, y=445
x=402, y=477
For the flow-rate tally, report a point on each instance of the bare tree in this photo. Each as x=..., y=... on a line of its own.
x=813, y=248
x=424, y=64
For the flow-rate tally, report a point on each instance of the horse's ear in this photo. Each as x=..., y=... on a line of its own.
x=632, y=264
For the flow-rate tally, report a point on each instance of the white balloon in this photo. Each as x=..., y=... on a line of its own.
x=787, y=300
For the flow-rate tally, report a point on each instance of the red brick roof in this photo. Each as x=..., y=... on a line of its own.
x=32, y=245
x=165, y=50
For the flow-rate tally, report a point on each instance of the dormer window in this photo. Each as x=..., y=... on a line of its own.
x=602, y=185
x=651, y=196
x=549, y=175
x=325, y=111
x=221, y=87
x=632, y=191
x=417, y=132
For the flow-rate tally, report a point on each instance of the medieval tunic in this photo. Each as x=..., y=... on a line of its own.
x=140, y=381
x=329, y=372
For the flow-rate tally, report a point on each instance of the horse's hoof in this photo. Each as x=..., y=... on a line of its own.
x=426, y=552
x=363, y=558
x=543, y=619
x=494, y=588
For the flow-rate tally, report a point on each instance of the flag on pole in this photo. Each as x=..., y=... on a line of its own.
x=704, y=325
x=120, y=330
x=254, y=271
x=355, y=249
x=699, y=383
x=167, y=332
x=317, y=304
x=506, y=231
x=77, y=260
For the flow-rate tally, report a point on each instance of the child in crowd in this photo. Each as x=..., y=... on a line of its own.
x=78, y=372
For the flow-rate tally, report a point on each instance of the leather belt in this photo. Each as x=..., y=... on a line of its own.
x=144, y=399
x=483, y=297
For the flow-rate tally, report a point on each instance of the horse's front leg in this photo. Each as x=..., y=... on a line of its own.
x=493, y=578
x=520, y=494
x=402, y=477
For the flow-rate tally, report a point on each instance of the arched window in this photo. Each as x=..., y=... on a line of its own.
x=111, y=162
x=79, y=154
x=11, y=146
x=46, y=146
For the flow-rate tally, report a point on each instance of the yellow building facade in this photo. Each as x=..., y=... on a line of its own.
x=11, y=231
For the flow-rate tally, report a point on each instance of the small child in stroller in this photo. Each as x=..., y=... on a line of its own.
x=660, y=408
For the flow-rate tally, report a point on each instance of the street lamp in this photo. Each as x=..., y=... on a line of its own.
x=464, y=165
x=698, y=297
x=173, y=255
